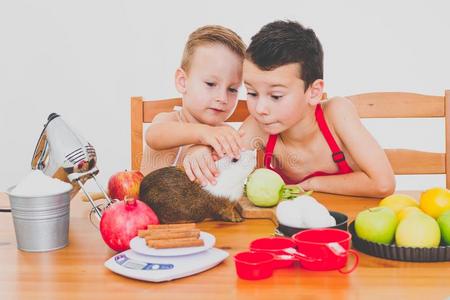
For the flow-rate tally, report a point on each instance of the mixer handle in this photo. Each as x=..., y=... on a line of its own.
x=40, y=154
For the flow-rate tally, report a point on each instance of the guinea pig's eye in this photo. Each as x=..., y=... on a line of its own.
x=234, y=160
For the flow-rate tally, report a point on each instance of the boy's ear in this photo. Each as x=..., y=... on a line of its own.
x=180, y=80
x=315, y=92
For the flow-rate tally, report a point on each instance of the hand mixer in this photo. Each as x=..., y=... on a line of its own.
x=63, y=154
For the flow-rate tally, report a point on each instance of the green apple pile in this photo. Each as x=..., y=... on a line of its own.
x=403, y=220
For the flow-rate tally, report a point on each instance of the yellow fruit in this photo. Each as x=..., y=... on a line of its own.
x=435, y=201
x=397, y=202
x=407, y=211
x=418, y=230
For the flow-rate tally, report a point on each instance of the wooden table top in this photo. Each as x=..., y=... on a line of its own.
x=77, y=270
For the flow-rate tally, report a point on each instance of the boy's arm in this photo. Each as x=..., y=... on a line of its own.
x=375, y=177
x=166, y=133
x=199, y=162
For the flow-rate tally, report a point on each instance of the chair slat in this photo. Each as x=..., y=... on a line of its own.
x=241, y=112
x=152, y=108
x=408, y=162
x=398, y=105
x=136, y=132
x=447, y=137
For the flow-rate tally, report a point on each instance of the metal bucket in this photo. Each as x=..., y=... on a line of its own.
x=41, y=223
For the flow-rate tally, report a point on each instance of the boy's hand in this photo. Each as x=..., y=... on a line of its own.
x=223, y=139
x=306, y=185
x=199, y=164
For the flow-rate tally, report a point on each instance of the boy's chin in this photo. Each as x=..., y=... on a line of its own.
x=213, y=121
x=273, y=132
x=215, y=118
x=272, y=129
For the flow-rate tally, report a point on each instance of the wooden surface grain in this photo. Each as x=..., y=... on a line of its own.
x=77, y=271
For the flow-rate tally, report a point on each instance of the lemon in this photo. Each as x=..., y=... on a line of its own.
x=435, y=201
x=397, y=202
x=407, y=211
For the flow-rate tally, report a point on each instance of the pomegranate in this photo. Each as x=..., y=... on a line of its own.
x=121, y=221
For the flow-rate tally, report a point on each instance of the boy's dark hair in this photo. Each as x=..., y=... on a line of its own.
x=283, y=42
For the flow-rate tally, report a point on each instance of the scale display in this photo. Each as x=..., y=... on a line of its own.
x=133, y=264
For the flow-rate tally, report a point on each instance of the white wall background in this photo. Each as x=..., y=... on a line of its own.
x=84, y=59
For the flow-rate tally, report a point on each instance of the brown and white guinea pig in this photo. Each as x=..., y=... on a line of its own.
x=176, y=199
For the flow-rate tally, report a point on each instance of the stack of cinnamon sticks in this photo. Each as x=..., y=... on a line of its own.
x=171, y=236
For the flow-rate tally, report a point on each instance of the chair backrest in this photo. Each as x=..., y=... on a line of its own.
x=410, y=105
x=369, y=105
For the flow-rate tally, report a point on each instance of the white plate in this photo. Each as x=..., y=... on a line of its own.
x=138, y=244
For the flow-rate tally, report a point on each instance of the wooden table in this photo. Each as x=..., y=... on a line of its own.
x=77, y=271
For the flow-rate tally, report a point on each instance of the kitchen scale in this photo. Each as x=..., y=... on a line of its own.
x=157, y=265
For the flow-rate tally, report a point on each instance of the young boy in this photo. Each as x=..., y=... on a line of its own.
x=322, y=146
x=208, y=80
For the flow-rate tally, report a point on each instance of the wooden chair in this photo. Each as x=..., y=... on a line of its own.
x=369, y=105
x=409, y=105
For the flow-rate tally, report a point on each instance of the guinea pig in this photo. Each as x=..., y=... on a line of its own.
x=176, y=199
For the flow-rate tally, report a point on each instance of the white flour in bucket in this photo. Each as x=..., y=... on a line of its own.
x=37, y=184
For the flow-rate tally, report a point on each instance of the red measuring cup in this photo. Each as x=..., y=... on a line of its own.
x=284, y=250
x=330, y=248
x=254, y=265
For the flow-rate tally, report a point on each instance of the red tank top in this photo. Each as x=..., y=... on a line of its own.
x=337, y=154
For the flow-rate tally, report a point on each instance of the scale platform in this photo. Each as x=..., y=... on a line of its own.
x=163, y=268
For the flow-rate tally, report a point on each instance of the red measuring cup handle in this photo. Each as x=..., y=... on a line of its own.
x=300, y=256
x=355, y=262
x=285, y=257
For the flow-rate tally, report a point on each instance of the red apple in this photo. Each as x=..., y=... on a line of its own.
x=125, y=184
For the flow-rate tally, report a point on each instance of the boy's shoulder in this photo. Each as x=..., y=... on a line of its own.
x=338, y=107
x=341, y=114
x=166, y=117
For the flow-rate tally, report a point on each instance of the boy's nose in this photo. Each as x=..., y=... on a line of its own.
x=222, y=97
x=261, y=107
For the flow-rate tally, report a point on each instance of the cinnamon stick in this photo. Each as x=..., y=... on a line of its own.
x=172, y=226
x=144, y=232
x=175, y=243
x=165, y=235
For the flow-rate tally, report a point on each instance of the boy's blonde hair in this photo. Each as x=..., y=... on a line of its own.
x=211, y=34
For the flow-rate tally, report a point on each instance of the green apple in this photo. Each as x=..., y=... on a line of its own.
x=418, y=230
x=376, y=224
x=444, y=225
